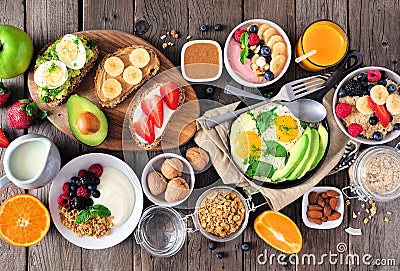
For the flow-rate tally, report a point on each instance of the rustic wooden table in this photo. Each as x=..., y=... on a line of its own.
x=373, y=28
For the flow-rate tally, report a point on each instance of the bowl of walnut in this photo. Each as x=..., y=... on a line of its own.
x=222, y=213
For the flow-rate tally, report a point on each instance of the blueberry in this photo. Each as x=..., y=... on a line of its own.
x=88, y=202
x=245, y=246
x=373, y=120
x=75, y=180
x=212, y=245
x=261, y=42
x=342, y=93
x=219, y=255
x=377, y=136
x=73, y=187
x=265, y=51
x=250, y=54
x=382, y=82
x=96, y=181
x=269, y=76
x=362, y=77
x=218, y=27
x=396, y=126
x=384, y=75
x=253, y=28
x=92, y=187
x=391, y=88
x=370, y=87
x=203, y=28
x=96, y=193
x=268, y=58
x=210, y=91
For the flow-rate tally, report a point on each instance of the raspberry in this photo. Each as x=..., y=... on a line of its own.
x=343, y=110
x=63, y=200
x=65, y=187
x=81, y=173
x=354, y=129
x=237, y=34
x=253, y=39
x=97, y=169
x=82, y=192
x=374, y=75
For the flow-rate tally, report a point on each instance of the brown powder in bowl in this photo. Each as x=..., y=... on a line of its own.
x=201, y=61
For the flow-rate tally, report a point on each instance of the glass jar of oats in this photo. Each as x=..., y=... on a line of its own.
x=376, y=174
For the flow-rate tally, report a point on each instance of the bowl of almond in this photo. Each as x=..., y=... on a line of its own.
x=323, y=207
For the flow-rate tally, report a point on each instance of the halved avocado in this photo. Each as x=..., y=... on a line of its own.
x=323, y=143
x=86, y=121
x=313, y=155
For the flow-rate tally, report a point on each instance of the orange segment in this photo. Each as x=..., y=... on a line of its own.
x=279, y=231
x=24, y=220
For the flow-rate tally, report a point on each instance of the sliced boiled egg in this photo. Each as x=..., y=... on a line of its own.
x=51, y=74
x=71, y=51
x=247, y=143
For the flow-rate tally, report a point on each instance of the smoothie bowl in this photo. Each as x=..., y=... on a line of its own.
x=257, y=53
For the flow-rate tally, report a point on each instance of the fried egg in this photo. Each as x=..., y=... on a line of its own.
x=51, y=74
x=71, y=52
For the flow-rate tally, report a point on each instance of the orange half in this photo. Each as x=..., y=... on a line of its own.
x=24, y=220
x=279, y=231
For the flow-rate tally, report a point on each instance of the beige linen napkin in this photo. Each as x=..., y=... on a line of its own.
x=214, y=141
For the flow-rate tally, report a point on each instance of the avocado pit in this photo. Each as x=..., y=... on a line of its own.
x=87, y=123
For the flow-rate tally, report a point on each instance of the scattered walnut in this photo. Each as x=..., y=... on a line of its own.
x=347, y=202
x=386, y=219
x=164, y=45
x=173, y=32
x=188, y=37
x=365, y=220
x=354, y=215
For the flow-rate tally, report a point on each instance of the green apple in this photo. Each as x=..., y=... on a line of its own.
x=16, y=51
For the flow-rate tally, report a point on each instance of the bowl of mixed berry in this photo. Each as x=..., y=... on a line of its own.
x=366, y=105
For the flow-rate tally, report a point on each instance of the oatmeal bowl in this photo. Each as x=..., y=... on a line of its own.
x=257, y=53
x=366, y=105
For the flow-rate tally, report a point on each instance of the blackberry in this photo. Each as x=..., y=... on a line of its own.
x=353, y=88
x=78, y=203
x=89, y=178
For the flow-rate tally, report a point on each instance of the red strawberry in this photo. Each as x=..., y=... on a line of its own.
x=4, y=94
x=3, y=140
x=97, y=169
x=237, y=34
x=343, y=110
x=253, y=39
x=381, y=112
x=153, y=108
x=354, y=129
x=145, y=129
x=22, y=114
x=170, y=94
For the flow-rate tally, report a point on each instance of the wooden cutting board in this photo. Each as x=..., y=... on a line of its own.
x=181, y=127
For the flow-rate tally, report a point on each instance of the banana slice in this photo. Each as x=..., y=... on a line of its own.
x=379, y=94
x=132, y=75
x=268, y=34
x=362, y=105
x=273, y=40
x=111, y=88
x=393, y=104
x=114, y=66
x=261, y=30
x=139, y=57
x=279, y=48
x=277, y=64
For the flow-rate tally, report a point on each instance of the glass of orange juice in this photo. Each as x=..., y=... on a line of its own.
x=329, y=42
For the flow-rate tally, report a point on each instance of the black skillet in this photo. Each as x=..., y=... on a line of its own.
x=343, y=68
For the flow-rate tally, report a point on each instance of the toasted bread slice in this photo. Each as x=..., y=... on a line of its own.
x=137, y=103
x=148, y=72
x=77, y=79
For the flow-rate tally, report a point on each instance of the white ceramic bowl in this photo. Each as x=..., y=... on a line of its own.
x=155, y=164
x=391, y=135
x=236, y=75
x=118, y=234
x=325, y=225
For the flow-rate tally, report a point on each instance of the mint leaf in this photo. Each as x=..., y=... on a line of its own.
x=82, y=217
x=265, y=120
x=102, y=210
x=244, y=40
x=96, y=210
x=274, y=148
x=243, y=55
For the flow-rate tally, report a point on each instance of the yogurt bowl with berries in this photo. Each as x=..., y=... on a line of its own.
x=257, y=53
x=366, y=105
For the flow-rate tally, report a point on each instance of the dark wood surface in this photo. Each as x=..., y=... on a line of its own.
x=373, y=29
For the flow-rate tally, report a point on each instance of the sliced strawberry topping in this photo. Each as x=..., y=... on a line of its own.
x=145, y=129
x=381, y=112
x=170, y=94
x=4, y=142
x=153, y=107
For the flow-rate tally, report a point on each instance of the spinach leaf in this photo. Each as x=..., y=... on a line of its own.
x=259, y=168
x=274, y=148
x=265, y=120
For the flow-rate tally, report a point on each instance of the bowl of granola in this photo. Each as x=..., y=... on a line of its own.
x=366, y=105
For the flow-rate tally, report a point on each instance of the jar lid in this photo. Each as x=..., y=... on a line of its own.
x=161, y=231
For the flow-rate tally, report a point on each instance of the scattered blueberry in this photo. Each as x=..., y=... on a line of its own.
x=265, y=51
x=250, y=54
x=245, y=246
x=96, y=193
x=203, y=28
x=341, y=93
x=75, y=180
x=73, y=187
x=88, y=202
x=92, y=187
x=261, y=42
x=396, y=126
x=382, y=82
x=377, y=136
x=210, y=91
x=369, y=88
x=218, y=27
x=269, y=76
x=212, y=245
x=268, y=58
x=391, y=88
x=253, y=28
x=373, y=120
x=362, y=77
x=219, y=255
x=96, y=181
x=384, y=75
